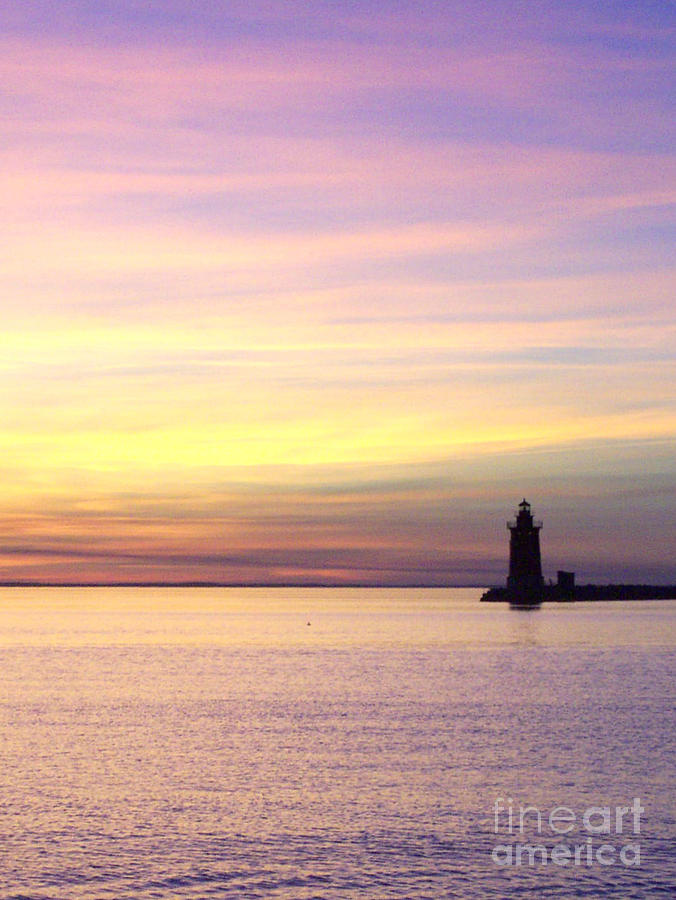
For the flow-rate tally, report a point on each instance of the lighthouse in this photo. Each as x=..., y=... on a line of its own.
x=524, y=582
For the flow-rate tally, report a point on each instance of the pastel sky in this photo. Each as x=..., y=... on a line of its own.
x=300, y=291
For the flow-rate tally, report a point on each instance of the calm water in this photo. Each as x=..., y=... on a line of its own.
x=212, y=743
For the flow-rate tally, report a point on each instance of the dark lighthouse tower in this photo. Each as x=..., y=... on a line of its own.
x=524, y=582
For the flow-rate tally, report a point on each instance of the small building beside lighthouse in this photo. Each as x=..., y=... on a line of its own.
x=525, y=584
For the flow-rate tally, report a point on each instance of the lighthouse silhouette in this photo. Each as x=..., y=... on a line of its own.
x=524, y=582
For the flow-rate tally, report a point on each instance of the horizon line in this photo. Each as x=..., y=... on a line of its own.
x=291, y=584
x=237, y=584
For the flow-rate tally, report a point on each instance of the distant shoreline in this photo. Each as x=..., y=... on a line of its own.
x=237, y=584
x=583, y=593
x=586, y=593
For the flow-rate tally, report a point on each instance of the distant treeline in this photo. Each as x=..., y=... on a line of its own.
x=595, y=592
x=624, y=592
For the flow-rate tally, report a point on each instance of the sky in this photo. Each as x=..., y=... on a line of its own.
x=299, y=291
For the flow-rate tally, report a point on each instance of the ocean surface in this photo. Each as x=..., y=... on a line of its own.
x=310, y=743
